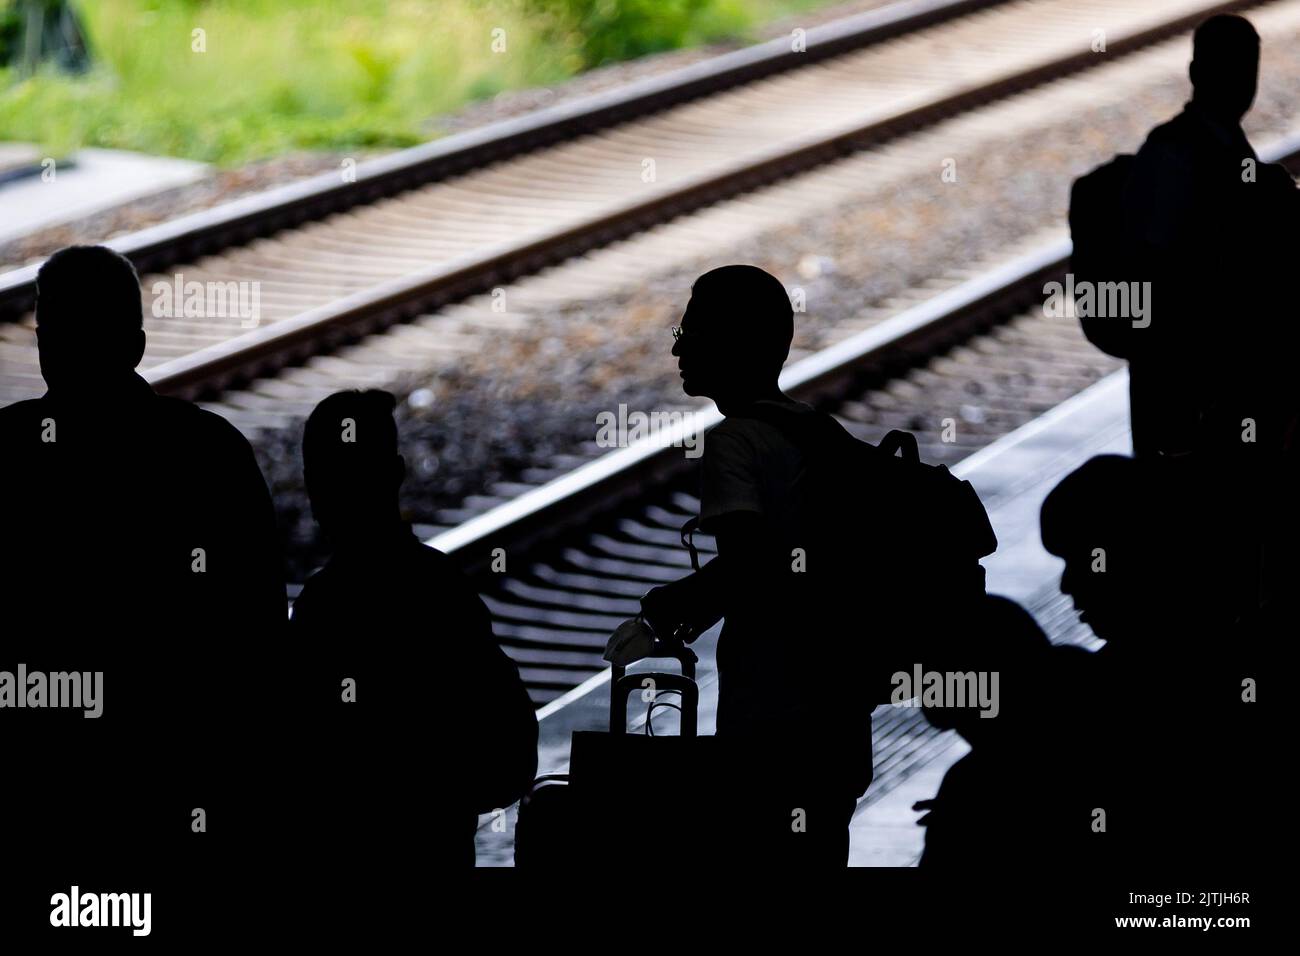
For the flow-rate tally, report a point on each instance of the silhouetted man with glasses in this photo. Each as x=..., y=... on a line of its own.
x=802, y=741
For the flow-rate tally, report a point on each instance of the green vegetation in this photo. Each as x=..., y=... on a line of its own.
x=229, y=81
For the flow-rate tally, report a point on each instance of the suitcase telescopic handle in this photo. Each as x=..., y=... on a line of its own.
x=623, y=684
x=628, y=684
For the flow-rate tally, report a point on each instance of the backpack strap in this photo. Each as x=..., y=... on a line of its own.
x=688, y=540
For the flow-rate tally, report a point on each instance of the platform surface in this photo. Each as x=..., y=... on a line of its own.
x=92, y=181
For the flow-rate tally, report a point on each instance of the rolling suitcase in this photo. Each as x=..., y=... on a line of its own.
x=628, y=793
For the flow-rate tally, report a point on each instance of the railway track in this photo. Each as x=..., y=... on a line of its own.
x=335, y=260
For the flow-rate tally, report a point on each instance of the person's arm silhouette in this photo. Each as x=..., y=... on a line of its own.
x=691, y=604
x=732, y=513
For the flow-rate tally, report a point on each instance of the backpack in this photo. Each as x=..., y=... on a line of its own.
x=892, y=546
x=1102, y=250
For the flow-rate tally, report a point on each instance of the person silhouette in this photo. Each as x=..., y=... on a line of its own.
x=395, y=642
x=1197, y=228
x=1203, y=222
x=140, y=543
x=1175, y=671
x=775, y=705
x=827, y=546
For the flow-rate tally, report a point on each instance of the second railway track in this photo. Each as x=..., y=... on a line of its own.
x=690, y=142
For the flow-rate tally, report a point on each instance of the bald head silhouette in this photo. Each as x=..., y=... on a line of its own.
x=735, y=335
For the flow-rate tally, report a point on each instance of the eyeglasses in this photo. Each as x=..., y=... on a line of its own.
x=678, y=332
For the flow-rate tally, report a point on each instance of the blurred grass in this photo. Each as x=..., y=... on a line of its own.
x=283, y=75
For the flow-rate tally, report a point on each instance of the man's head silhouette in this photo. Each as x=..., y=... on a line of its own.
x=1225, y=66
x=1093, y=520
x=1138, y=549
x=351, y=465
x=89, y=320
x=735, y=335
